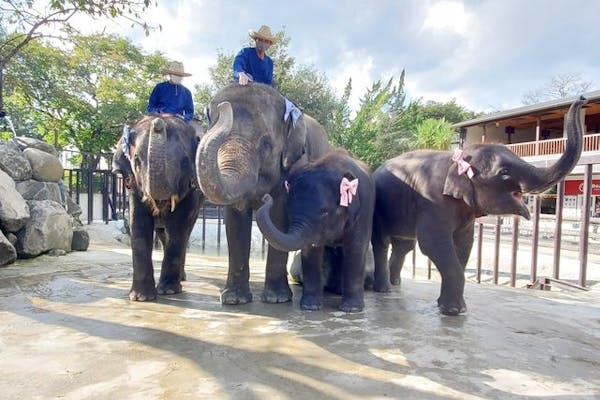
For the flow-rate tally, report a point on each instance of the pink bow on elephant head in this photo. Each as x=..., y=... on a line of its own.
x=347, y=191
x=463, y=166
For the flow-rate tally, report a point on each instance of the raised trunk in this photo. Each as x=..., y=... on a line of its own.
x=158, y=184
x=543, y=178
x=225, y=162
x=282, y=241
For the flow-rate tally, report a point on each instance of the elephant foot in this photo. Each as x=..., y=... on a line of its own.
x=277, y=293
x=310, y=302
x=142, y=295
x=169, y=288
x=353, y=304
x=233, y=296
x=452, y=307
x=382, y=287
x=395, y=280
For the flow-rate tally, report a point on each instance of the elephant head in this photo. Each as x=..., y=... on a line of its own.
x=156, y=158
x=491, y=179
x=248, y=146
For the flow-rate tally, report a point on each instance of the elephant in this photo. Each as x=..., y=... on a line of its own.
x=247, y=152
x=156, y=158
x=434, y=197
x=330, y=204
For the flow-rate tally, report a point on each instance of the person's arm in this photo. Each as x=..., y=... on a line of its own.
x=270, y=73
x=188, y=107
x=240, y=68
x=153, y=101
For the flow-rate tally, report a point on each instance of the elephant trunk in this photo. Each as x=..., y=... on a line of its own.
x=543, y=178
x=159, y=187
x=291, y=241
x=225, y=163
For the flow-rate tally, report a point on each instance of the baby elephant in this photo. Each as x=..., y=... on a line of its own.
x=330, y=204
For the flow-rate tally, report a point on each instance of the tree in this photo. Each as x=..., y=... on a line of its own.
x=558, y=87
x=82, y=96
x=436, y=134
x=24, y=21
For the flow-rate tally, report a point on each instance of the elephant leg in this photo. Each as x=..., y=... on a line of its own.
x=332, y=266
x=312, y=285
x=238, y=228
x=353, y=288
x=141, y=225
x=400, y=247
x=463, y=243
x=277, y=289
x=438, y=244
x=380, y=246
x=178, y=228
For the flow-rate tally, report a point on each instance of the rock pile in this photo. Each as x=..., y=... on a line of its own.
x=36, y=214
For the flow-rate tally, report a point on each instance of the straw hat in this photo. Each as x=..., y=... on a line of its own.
x=263, y=33
x=176, y=68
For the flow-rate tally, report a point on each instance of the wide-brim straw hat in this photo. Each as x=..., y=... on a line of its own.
x=175, y=68
x=263, y=33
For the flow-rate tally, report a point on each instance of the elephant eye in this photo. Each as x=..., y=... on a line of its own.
x=324, y=212
x=504, y=173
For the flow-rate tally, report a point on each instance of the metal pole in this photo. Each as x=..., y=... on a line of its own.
x=535, y=237
x=515, y=249
x=560, y=196
x=90, y=193
x=585, y=224
x=479, y=250
x=497, y=249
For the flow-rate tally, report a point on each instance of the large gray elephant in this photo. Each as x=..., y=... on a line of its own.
x=246, y=153
x=156, y=158
x=435, y=196
x=330, y=204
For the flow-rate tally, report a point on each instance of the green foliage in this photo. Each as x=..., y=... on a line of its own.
x=435, y=134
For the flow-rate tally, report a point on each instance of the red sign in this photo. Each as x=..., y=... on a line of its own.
x=573, y=188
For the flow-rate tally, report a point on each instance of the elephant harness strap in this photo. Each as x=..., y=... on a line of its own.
x=463, y=166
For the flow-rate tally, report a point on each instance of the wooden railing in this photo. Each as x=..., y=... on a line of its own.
x=552, y=146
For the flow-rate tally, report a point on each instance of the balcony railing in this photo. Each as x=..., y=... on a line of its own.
x=552, y=146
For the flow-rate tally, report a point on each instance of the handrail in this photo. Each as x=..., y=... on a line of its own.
x=552, y=146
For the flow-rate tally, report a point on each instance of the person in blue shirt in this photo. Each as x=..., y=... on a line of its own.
x=171, y=96
x=252, y=64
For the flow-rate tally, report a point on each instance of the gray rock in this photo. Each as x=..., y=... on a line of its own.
x=25, y=142
x=56, y=252
x=13, y=162
x=48, y=228
x=73, y=208
x=12, y=238
x=14, y=211
x=81, y=240
x=44, y=167
x=8, y=254
x=35, y=190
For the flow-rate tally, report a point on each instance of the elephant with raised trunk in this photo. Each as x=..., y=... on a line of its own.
x=330, y=204
x=254, y=138
x=156, y=158
x=435, y=196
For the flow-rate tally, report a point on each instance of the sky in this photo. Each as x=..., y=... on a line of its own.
x=486, y=54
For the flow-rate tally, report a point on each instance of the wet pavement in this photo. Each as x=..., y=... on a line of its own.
x=68, y=331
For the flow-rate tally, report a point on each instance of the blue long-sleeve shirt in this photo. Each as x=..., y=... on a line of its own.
x=248, y=61
x=167, y=97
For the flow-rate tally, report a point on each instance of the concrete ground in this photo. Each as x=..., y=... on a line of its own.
x=68, y=331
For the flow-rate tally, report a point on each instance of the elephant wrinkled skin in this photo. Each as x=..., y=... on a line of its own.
x=434, y=197
x=159, y=172
x=330, y=204
x=246, y=153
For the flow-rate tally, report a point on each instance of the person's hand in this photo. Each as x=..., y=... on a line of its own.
x=243, y=79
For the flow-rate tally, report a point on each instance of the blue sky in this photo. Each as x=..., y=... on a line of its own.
x=484, y=53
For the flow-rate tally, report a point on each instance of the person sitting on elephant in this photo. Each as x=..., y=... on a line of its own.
x=252, y=64
x=170, y=96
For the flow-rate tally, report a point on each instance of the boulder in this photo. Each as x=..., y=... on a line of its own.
x=14, y=211
x=25, y=142
x=8, y=254
x=81, y=240
x=48, y=228
x=35, y=190
x=44, y=167
x=13, y=162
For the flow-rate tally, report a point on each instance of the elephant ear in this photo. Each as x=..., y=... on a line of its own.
x=459, y=186
x=295, y=146
x=120, y=162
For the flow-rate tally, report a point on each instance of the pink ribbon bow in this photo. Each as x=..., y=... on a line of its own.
x=347, y=190
x=463, y=166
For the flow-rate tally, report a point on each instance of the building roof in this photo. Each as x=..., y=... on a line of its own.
x=554, y=109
